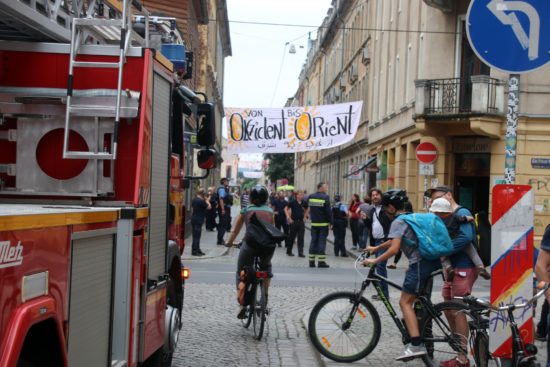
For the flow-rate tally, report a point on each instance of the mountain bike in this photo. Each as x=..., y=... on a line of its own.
x=256, y=313
x=523, y=354
x=345, y=326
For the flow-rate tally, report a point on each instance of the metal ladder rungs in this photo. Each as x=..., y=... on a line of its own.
x=92, y=64
x=84, y=110
x=89, y=22
x=87, y=155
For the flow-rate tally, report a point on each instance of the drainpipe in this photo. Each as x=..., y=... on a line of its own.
x=338, y=173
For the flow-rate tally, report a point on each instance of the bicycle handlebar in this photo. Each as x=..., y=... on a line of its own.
x=362, y=256
x=474, y=301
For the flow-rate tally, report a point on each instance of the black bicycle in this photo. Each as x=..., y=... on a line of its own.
x=523, y=354
x=345, y=326
x=256, y=313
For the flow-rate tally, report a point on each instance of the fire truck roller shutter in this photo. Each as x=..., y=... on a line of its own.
x=158, y=241
x=90, y=301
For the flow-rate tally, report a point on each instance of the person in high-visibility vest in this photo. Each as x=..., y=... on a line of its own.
x=321, y=220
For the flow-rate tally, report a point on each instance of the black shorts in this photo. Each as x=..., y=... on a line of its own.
x=247, y=255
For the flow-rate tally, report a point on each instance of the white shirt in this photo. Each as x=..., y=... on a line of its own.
x=377, y=229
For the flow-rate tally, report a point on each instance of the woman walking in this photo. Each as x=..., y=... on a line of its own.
x=200, y=205
x=353, y=214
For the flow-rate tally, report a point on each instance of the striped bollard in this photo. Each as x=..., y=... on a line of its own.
x=512, y=251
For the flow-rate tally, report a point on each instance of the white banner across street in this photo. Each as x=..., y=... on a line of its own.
x=252, y=174
x=291, y=129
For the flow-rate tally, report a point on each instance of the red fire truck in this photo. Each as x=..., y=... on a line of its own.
x=91, y=187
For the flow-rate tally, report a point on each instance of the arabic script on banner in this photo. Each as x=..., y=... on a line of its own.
x=291, y=129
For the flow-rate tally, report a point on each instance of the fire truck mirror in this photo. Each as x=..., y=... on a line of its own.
x=206, y=132
x=206, y=159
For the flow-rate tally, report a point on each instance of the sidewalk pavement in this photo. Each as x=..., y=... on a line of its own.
x=209, y=240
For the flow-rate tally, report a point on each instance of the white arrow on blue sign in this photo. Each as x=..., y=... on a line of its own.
x=510, y=35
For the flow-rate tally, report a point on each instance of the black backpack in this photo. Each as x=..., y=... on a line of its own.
x=483, y=229
x=482, y=235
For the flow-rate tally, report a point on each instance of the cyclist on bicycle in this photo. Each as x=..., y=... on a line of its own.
x=248, y=252
x=402, y=236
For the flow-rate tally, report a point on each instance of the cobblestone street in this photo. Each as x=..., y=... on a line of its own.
x=212, y=335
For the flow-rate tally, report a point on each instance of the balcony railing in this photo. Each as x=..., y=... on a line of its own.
x=444, y=97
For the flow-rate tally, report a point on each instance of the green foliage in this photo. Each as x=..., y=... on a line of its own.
x=249, y=183
x=281, y=165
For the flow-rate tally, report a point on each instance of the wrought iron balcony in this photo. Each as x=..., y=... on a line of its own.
x=449, y=97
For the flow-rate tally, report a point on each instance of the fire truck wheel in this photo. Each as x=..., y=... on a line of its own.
x=175, y=286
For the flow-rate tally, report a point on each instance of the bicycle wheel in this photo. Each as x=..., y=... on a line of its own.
x=260, y=306
x=248, y=320
x=338, y=337
x=482, y=355
x=442, y=343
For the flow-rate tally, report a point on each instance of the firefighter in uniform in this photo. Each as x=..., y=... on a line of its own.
x=321, y=219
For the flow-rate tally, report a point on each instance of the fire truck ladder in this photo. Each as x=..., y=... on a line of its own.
x=80, y=28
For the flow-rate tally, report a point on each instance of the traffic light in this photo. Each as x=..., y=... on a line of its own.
x=206, y=130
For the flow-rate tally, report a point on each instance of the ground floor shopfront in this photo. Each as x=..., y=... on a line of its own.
x=470, y=160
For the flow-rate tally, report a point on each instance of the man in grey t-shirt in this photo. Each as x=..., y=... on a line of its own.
x=401, y=236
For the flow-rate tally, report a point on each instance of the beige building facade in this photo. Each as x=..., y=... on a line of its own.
x=420, y=81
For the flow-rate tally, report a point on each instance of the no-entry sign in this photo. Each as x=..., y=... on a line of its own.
x=426, y=153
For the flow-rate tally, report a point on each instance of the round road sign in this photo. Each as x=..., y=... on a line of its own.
x=426, y=153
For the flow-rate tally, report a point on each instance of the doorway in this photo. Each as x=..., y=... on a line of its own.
x=472, y=181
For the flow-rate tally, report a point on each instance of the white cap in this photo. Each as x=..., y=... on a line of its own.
x=441, y=205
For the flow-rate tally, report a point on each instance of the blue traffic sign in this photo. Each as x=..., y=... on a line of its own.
x=510, y=35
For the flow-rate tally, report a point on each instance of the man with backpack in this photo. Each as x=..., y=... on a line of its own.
x=464, y=269
x=410, y=233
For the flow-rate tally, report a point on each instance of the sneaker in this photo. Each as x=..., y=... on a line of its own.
x=354, y=247
x=484, y=273
x=454, y=363
x=392, y=266
x=540, y=336
x=242, y=313
x=412, y=351
x=375, y=297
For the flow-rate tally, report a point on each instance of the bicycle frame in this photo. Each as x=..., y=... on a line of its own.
x=521, y=352
x=375, y=279
x=518, y=346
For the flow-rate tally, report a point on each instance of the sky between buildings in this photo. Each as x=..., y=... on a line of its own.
x=262, y=72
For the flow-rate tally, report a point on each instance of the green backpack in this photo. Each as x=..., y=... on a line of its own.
x=433, y=237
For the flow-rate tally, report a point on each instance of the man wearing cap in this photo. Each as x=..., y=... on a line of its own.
x=464, y=268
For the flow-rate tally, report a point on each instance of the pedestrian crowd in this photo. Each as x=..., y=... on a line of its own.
x=379, y=225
